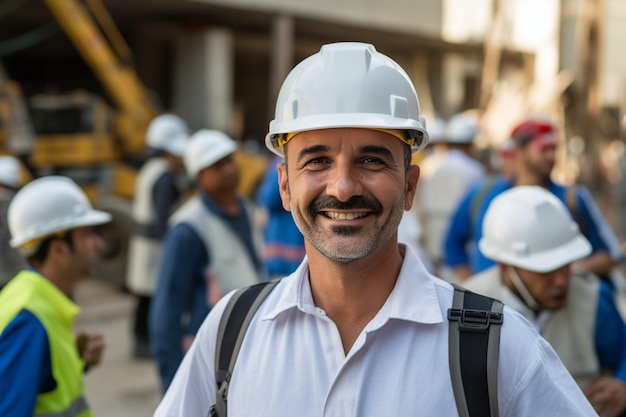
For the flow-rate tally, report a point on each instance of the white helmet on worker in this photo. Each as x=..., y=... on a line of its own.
x=168, y=133
x=206, y=147
x=436, y=130
x=529, y=228
x=347, y=85
x=47, y=206
x=9, y=171
x=462, y=128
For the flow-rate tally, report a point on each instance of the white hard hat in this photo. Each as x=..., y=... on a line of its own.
x=528, y=227
x=347, y=85
x=49, y=205
x=168, y=133
x=436, y=130
x=9, y=171
x=205, y=148
x=462, y=129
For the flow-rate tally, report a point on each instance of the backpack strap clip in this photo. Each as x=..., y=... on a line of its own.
x=474, y=320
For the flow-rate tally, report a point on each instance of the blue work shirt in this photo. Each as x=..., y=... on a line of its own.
x=284, y=244
x=464, y=232
x=25, y=365
x=179, y=304
x=610, y=337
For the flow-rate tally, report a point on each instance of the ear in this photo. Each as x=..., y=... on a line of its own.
x=412, y=178
x=283, y=185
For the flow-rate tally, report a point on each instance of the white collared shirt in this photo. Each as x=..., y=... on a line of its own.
x=292, y=361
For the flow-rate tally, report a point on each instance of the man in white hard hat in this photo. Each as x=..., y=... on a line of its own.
x=41, y=361
x=447, y=175
x=160, y=188
x=359, y=329
x=11, y=262
x=213, y=247
x=533, y=239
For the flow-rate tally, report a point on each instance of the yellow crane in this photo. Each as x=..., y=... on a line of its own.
x=80, y=135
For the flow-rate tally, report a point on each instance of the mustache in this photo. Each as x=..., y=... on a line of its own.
x=353, y=203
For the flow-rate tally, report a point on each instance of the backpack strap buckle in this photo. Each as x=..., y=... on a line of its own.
x=474, y=320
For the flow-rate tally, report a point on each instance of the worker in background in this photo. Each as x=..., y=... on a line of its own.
x=159, y=190
x=253, y=166
x=213, y=246
x=283, y=242
x=11, y=262
x=531, y=236
x=41, y=361
x=536, y=142
x=448, y=173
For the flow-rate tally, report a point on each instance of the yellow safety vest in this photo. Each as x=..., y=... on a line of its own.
x=56, y=312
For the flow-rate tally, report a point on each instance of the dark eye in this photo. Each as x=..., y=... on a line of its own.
x=317, y=163
x=372, y=161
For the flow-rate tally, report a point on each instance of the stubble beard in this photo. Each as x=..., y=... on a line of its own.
x=358, y=248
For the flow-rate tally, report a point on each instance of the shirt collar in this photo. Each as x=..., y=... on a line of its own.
x=60, y=303
x=214, y=208
x=414, y=297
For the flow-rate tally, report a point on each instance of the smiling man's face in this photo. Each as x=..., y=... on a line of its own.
x=347, y=189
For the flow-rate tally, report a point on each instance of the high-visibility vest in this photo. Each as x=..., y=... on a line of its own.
x=32, y=292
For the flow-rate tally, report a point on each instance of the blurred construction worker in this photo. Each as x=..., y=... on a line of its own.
x=535, y=152
x=283, y=242
x=160, y=187
x=11, y=262
x=360, y=328
x=447, y=175
x=41, y=361
x=213, y=246
x=533, y=239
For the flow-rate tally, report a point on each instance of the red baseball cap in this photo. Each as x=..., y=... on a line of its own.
x=539, y=131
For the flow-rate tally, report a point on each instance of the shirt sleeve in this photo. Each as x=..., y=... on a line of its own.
x=610, y=337
x=25, y=365
x=165, y=194
x=180, y=284
x=596, y=228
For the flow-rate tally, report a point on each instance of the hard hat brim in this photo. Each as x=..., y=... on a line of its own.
x=542, y=262
x=91, y=218
x=344, y=120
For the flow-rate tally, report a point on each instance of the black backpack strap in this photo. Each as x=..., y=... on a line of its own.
x=234, y=323
x=474, y=344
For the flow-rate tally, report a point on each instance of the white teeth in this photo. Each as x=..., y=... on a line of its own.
x=345, y=216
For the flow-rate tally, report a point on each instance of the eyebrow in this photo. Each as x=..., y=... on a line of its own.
x=368, y=149
x=311, y=150
x=377, y=150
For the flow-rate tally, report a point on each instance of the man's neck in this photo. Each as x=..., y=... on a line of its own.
x=227, y=202
x=57, y=278
x=525, y=178
x=352, y=294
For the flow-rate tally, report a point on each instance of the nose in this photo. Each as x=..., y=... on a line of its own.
x=344, y=181
x=561, y=276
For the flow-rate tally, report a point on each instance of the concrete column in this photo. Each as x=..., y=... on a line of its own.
x=281, y=56
x=204, y=79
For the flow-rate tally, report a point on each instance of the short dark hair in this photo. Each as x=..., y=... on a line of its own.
x=41, y=254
